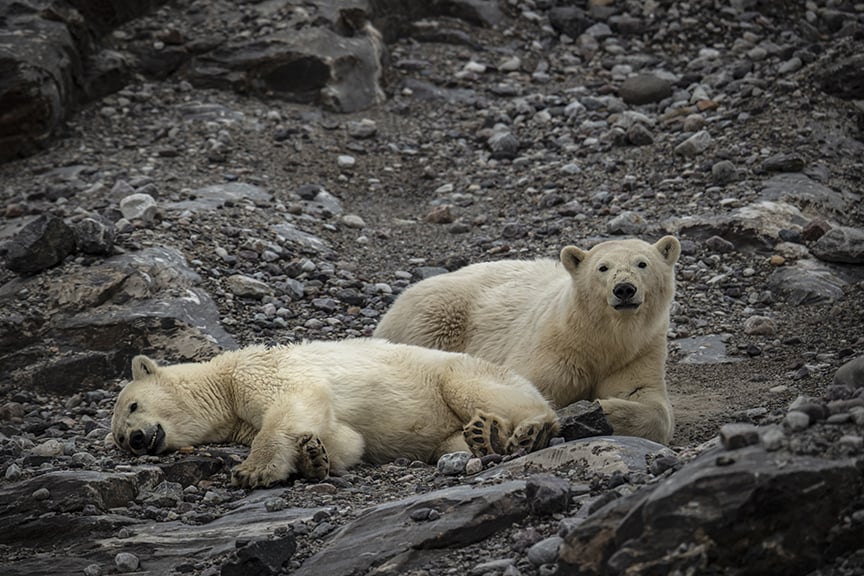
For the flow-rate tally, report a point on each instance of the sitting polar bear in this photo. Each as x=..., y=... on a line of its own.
x=592, y=328
x=320, y=407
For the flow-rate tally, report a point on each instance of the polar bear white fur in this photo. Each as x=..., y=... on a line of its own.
x=592, y=326
x=312, y=408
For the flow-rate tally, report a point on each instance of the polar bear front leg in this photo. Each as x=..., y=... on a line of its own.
x=532, y=434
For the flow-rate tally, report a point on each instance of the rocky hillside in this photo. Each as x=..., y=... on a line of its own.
x=186, y=177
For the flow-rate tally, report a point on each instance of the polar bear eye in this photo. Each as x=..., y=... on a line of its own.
x=603, y=268
x=133, y=407
x=642, y=264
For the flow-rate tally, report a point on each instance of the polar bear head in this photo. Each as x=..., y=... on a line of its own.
x=155, y=413
x=632, y=276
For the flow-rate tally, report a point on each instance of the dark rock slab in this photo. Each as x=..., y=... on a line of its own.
x=851, y=374
x=800, y=190
x=845, y=77
x=843, y=244
x=129, y=304
x=386, y=535
x=742, y=514
x=644, y=89
x=41, y=244
x=583, y=419
x=312, y=65
x=806, y=282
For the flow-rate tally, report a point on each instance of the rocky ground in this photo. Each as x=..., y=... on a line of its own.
x=734, y=125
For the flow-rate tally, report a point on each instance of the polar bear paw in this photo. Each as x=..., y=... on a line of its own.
x=250, y=475
x=485, y=434
x=312, y=459
x=531, y=435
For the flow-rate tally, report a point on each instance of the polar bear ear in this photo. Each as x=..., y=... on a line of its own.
x=669, y=248
x=142, y=366
x=572, y=257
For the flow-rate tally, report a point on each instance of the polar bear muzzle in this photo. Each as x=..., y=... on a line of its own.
x=626, y=297
x=150, y=440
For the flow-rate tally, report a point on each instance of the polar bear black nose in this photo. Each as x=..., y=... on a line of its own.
x=624, y=290
x=137, y=440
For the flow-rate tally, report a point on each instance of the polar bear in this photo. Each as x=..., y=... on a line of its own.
x=593, y=327
x=317, y=408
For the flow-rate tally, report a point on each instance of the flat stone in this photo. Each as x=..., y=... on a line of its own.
x=851, y=374
x=806, y=282
x=644, y=89
x=695, y=144
x=843, y=244
x=709, y=349
x=738, y=435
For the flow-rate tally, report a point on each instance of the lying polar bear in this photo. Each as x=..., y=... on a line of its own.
x=320, y=407
x=592, y=326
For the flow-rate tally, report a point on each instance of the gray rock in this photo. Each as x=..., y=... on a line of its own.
x=628, y=223
x=504, y=145
x=165, y=495
x=851, y=374
x=247, y=287
x=760, y=326
x=724, y=172
x=803, y=191
x=583, y=419
x=569, y=20
x=453, y=464
x=94, y=235
x=639, y=135
x=126, y=562
x=695, y=144
x=717, y=515
x=709, y=349
x=545, y=551
x=291, y=234
x=547, y=494
x=795, y=420
x=385, y=533
x=219, y=195
x=843, y=77
x=423, y=272
x=139, y=206
x=738, y=435
x=842, y=244
x=644, y=89
x=784, y=163
x=361, y=129
x=264, y=557
x=806, y=282
x=39, y=245
x=310, y=65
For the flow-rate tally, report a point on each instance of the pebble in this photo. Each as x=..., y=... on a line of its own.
x=738, y=435
x=545, y=551
x=628, y=223
x=644, y=89
x=492, y=566
x=345, y=161
x=852, y=440
x=772, y=438
x=93, y=570
x=723, y=173
x=473, y=466
x=353, y=221
x=453, y=463
x=796, y=421
x=362, y=129
x=760, y=326
x=138, y=207
x=247, y=287
x=695, y=144
x=41, y=494
x=126, y=562
x=49, y=449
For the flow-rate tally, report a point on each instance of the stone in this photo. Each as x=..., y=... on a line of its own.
x=628, y=223
x=547, y=494
x=583, y=419
x=720, y=245
x=353, y=221
x=264, y=557
x=126, y=562
x=738, y=435
x=569, y=20
x=639, y=135
x=644, y=89
x=139, y=206
x=851, y=374
x=453, y=463
x=311, y=65
x=545, y=551
x=806, y=282
x=39, y=245
x=708, y=349
x=695, y=144
x=800, y=189
x=219, y=196
x=710, y=517
x=796, y=420
x=815, y=229
x=844, y=77
x=95, y=235
x=843, y=244
x=384, y=534
x=362, y=129
x=760, y=326
x=783, y=163
x=724, y=172
x=504, y=145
